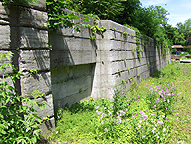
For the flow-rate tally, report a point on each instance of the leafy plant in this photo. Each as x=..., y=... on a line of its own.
x=19, y=121
x=33, y=71
x=80, y=90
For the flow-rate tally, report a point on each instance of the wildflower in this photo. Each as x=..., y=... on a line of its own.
x=99, y=113
x=160, y=122
x=137, y=96
x=103, y=115
x=140, y=121
x=105, y=108
x=177, y=113
x=147, y=109
x=109, y=88
x=145, y=116
x=111, y=105
x=106, y=130
x=132, y=111
x=163, y=116
x=122, y=112
x=102, y=122
x=168, y=100
x=142, y=113
x=154, y=106
x=164, y=129
x=96, y=107
x=127, y=104
x=109, y=113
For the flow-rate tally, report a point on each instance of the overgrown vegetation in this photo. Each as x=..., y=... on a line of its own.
x=155, y=111
x=19, y=121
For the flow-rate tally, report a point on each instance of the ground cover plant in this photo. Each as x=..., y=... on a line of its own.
x=155, y=111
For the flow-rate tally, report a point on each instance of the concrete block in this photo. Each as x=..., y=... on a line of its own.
x=34, y=59
x=72, y=99
x=34, y=18
x=73, y=57
x=4, y=12
x=71, y=87
x=40, y=5
x=60, y=42
x=66, y=73
x=111, y=25
x=5, y=37
x=32, y=82
x=33, y=38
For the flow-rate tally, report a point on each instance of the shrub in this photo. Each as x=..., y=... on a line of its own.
x=19, y=121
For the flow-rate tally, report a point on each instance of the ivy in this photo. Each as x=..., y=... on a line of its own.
x=59, y=18
x=18, y=2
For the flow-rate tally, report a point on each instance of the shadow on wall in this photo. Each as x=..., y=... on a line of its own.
x=72, y=68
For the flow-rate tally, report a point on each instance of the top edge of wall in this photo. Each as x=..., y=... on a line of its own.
x=109, y=24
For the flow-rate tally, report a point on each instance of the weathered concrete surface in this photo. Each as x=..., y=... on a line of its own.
x=5, y=37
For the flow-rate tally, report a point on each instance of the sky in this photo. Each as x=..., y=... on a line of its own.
x=180, y=10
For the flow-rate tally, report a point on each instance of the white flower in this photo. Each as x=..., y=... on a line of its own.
x=164, y=129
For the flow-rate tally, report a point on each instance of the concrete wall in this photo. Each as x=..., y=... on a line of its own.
x=82, y=68
x=76, y=68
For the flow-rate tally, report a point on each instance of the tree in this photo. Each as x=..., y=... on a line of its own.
x=105, y=9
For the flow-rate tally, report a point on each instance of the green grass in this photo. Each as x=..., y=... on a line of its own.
x=136, y=116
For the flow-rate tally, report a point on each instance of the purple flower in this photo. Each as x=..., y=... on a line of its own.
x=154, y=106
x=106, y=130
x=99, y=112
x=142, y=113
x=102, y=122
x=96, y=107
x=103, y=115
x=163, y=116
x=111, y=105
x=109, y=113
x=145, y=116
x=160, y=122
x=122, y=112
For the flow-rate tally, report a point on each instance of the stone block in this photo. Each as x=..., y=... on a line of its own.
x=4, y=12
x=71, y=99
x=60, y=42
x=34, y=59
x=40, y=5
x=5, y=37
x=33, y=18
x=32, y=82
x=111, y=25
x=74, y=57
x=33, y=38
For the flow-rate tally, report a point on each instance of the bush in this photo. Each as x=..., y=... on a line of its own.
x=19, y=121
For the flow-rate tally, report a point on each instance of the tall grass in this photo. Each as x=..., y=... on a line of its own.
x=155, y=111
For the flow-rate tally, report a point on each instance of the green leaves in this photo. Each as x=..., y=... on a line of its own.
x=19, y=121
